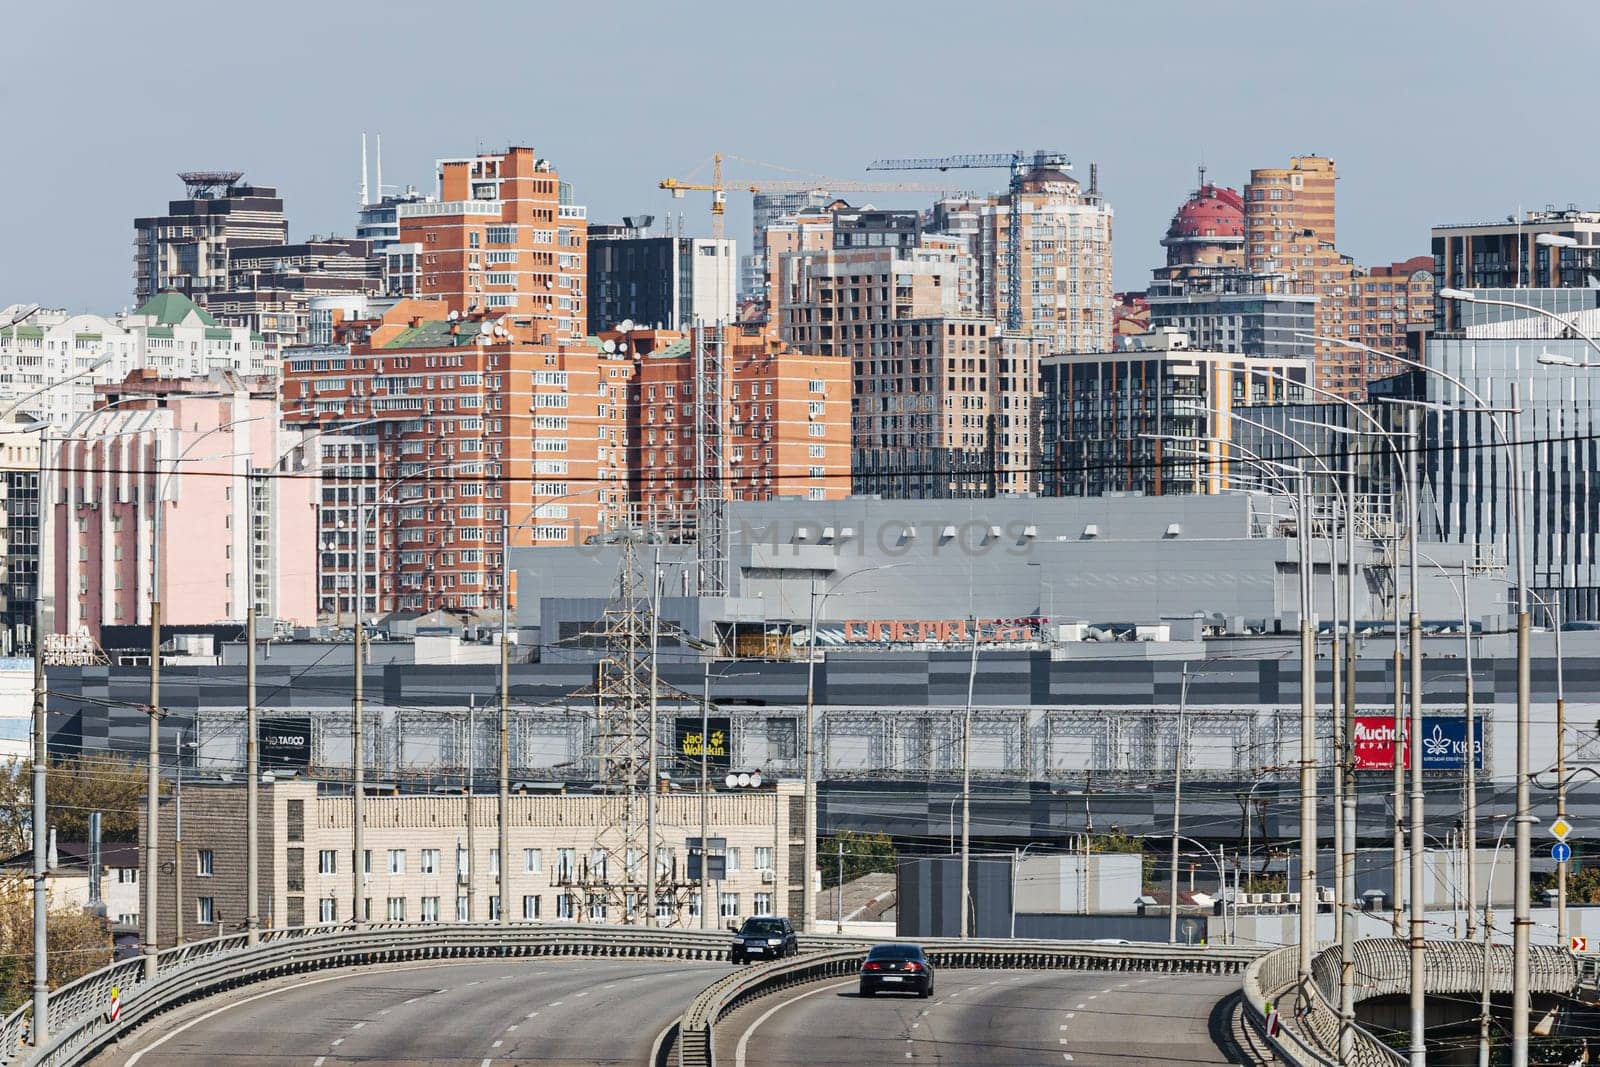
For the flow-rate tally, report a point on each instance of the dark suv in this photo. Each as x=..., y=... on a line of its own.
x=763, y=938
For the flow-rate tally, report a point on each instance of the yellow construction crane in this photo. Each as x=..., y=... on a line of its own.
x=719, y=194
x=719, y=191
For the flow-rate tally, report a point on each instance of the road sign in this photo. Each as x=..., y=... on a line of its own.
x=1579, y=944
x=1561, y=852
x=1561, y=828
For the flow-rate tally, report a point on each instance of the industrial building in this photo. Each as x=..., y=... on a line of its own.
x=658, y=281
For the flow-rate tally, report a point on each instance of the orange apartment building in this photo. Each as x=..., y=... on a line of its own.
x=478, y=421
x=503, y=239
x=785, y=426
x=1290, y=229
x=481, y=421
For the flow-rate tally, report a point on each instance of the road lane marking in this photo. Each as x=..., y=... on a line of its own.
x=358, y=1026
x=555, y=1004
x=497, y=1044
x=1082, y=1006
x=137, y=1056
x=513, y=1026
x=530, y=1015
x=744, y=1038
x=319, y=1061
x=336, y=1042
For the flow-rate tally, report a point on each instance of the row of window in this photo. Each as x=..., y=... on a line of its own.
x=567, y=906
x=566, y=860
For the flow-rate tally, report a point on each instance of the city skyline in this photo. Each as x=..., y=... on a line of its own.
x=803, y=107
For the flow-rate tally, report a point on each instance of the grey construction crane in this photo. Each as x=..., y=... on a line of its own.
x=1019, y=163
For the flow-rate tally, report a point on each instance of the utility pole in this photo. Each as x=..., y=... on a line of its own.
x=503, y=880
x=472, y=770
x=358, y=759
x=705, y=789
x=177, y=839
x=1397, y=800
x=252, y=730
x=1177, y=805
x=838, y=890
x=152, y=865
x=1418, y=910
x=808, y=900
x=1522, y=921
x=1346, y=770
x=653, y=773
x=1308, y=745
x=966, y=786
x=40, y=1030
x=1470, y=768
x=1561, y=773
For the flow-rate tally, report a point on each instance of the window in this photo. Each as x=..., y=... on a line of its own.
x=461, y=861
x=430, y=909
x=295, y=817
x=494, y=863
x=205, y=861
x=127, y=875
x=763, y=903
x=728, y=905
x=397, y=909
x=530, y=907
x=461, y=909
x=205, y=910
x=732, y=856
x=566, y=864
x=597, y=863
x=494, y=908
x=663, y=907
x=328, y=861
x=694, y=905
x=430, y=861
x=763, y=859
x=328, y=910
x=397, y=861
x=366, y=861
x=532, y=860
x=564, y=905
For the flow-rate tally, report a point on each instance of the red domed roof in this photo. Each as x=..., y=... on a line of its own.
x=1211, y=211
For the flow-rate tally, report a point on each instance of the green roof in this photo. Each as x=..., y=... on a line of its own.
x=160, y=333
x=433, y=335
x=170, y=309
x=681, y=347
x=33, y=333
x=86, y=337
x=218, y=333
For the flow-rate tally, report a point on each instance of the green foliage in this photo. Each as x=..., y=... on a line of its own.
x=74, y=787
x=1583, y=887
x=1266, y=883
x=863, y=854
x=79, y=943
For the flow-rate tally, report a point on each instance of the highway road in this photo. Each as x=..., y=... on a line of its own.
x=557, y=1013
x=985, y=1019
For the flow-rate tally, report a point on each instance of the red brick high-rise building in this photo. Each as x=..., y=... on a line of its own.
x=503, y=239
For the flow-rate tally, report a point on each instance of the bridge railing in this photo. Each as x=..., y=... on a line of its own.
x=78, y=1022
x=1302, y=1022
x=696, y=1039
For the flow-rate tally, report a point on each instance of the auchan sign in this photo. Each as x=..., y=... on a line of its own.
x=1444, y=743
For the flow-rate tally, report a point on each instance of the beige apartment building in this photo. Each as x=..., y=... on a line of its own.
x=1289, y=223
x=570, y=859
x=844, y=301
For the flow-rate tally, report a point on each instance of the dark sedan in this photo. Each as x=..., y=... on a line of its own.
x=897, y=969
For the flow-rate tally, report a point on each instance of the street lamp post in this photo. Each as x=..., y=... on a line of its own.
x=808, y=899
x=966, y=786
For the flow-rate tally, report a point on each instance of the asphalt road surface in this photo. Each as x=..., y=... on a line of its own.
x=985, y=1019
x=558, y=1013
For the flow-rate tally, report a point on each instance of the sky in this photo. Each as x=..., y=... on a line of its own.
x=1434, y=112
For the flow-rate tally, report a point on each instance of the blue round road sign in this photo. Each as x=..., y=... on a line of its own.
x=1561, y=852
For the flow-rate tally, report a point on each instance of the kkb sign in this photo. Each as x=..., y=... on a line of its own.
x=1444, y=743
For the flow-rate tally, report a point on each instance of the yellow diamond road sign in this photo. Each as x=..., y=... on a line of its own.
x=1561, y=828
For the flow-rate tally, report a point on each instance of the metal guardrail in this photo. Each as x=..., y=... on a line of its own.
x=77, y=1012
x=696, y=1038
x=1308, y=1032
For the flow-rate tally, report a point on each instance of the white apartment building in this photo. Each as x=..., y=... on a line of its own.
x=63, y=356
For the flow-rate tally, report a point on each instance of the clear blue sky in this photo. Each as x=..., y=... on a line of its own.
x=1433, y=111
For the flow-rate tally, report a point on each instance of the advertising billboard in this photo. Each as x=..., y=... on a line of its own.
x=1444, y=743
x=285, y=742
x=715, y=743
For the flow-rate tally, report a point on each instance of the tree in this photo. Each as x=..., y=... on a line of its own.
x=863, y=854
x=79, y=943
x=74, y=787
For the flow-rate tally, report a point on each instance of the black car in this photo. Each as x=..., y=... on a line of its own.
x=763, y=938
x=897, y=969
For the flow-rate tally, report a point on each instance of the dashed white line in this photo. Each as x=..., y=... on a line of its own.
x=497, y=1044
x=358, y=1026
x=1082, y=1006
x=583, y=994
x=385, y=1011
x=554, y=1004
x=609, y=985
x=336, y=1042
x=319, y=1061
x=413, y=1000
x=530, y=1015
x=486, y=1061
x=510, y=1028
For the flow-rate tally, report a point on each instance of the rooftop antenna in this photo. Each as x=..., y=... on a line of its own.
x=379, y=136
x=1202, y=170
x=364, y=199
